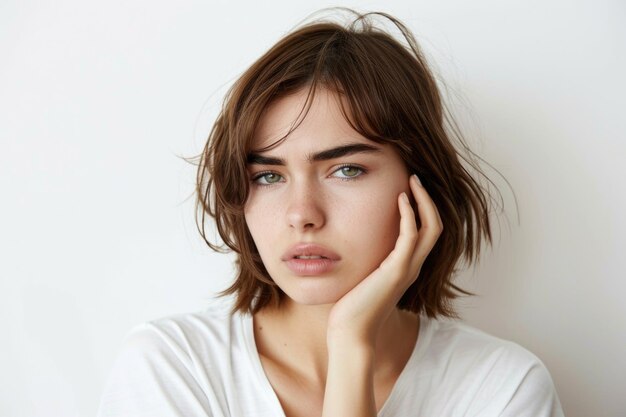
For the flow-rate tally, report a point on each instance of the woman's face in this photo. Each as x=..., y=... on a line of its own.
x=322, y=208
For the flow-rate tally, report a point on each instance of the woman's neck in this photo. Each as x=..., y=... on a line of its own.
x=294, y=337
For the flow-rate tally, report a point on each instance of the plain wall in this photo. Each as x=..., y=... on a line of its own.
x=99, y=99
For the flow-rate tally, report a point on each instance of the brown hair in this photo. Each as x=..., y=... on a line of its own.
x=392, y=98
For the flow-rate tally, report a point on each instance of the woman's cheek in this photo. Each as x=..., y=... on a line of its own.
x=255, y=223
x=376, y=224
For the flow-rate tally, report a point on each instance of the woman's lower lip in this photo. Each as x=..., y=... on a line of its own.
x=310, y=267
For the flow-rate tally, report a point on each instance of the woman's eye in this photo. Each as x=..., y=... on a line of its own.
x=267, y=178
x=349, y=171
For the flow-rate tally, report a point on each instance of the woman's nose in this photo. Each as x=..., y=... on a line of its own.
x=305, y=208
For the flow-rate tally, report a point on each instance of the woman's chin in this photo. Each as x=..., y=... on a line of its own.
x=315, y=296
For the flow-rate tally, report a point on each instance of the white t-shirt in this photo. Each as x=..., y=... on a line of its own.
x=207, y=364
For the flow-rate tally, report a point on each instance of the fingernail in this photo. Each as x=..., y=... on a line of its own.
x=417, y=179
x=405, y=197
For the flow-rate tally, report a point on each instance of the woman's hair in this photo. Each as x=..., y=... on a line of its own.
x=392, y=99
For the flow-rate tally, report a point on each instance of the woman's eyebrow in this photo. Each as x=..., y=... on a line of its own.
x=325, y=155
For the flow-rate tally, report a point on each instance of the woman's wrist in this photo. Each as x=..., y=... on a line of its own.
x=350, y=349
x=349, y=338
x=350, y=380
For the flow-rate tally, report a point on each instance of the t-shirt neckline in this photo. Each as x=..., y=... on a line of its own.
x=400, y=386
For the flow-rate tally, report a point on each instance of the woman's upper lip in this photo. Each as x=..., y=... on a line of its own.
x=309, y=249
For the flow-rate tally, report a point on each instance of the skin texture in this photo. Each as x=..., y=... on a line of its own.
x=338, y=336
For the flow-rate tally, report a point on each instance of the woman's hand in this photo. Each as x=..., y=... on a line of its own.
x=358, y=316
x=356, y=319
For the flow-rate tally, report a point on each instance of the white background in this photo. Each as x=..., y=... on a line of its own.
x=98, y=99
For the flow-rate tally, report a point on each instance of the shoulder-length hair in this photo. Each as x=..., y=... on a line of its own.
x=392, y=98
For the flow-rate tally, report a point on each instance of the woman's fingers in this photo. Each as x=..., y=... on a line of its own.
x=413, y=245
x=407, y=238
x=431, y=224
x=408, y=227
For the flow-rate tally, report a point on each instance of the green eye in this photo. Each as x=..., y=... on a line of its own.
x=271, y=178
x=349, y=171
x=267, y=178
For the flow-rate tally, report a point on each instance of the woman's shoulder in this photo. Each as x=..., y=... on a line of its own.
x=457, y=338
x=193, y=359
x=215, y=328
x=485, y=372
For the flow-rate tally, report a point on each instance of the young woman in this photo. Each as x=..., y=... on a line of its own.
x=332, y=174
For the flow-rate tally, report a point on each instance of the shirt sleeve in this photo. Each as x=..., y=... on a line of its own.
x=152, y=377
x=519, y=385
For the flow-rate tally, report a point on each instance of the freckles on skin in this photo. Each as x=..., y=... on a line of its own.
x=377, y=222
x=260, y=215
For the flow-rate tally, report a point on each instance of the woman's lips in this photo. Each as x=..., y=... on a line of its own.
x=311, y=267
x=308, y=259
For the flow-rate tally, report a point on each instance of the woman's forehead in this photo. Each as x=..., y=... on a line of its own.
x=323, y=121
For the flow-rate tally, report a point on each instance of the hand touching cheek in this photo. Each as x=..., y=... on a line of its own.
x=359, y=314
